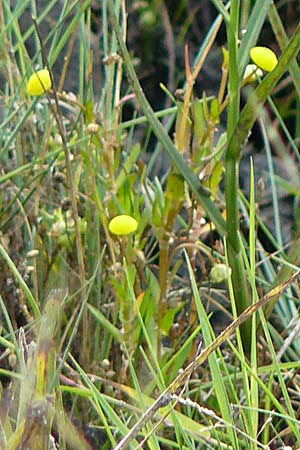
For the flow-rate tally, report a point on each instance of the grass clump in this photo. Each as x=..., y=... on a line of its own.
x=146, y=301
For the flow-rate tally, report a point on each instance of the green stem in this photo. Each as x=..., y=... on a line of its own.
x=237, y=138
x=240, y=288
x=164, y=263
x=233, y=78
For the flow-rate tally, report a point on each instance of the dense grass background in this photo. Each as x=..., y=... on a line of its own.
x=184, y=334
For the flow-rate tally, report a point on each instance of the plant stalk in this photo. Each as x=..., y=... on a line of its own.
x=240, y=287
x=236, y=140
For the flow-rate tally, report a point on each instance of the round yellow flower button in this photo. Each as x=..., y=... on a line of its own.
x=122, y=225
x=39, y=82
x=264, y=58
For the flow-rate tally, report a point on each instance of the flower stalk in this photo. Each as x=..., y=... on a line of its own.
x=240, y=288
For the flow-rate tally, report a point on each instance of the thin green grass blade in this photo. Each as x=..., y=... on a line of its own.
x=254, y=398
x=283, y=41
x=188, y=424
x=60, y=40
x=154, y=368
x=288, y=403
x=275, y=201
x=152, y=440
x=208, y=334
x=222, y=10
x=30, y=298
x=246, y=382
x=105, y=411
x=105, y=323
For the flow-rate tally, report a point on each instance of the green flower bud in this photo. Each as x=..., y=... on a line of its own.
x=219, y=273
x=252, y=73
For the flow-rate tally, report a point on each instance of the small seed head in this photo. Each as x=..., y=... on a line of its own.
x=93, y=128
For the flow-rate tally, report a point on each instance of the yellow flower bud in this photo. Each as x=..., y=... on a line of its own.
x=39, y=82
x=252, y=73
x=264, y=58
x=122, y=225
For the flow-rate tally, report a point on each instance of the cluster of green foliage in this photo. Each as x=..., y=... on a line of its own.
x=107, y=339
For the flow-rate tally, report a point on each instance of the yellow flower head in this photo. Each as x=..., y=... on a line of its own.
x=264, y=58
x=122, y=225
x=39, y=82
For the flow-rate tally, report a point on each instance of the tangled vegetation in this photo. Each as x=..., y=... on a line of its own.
x=149, y=258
